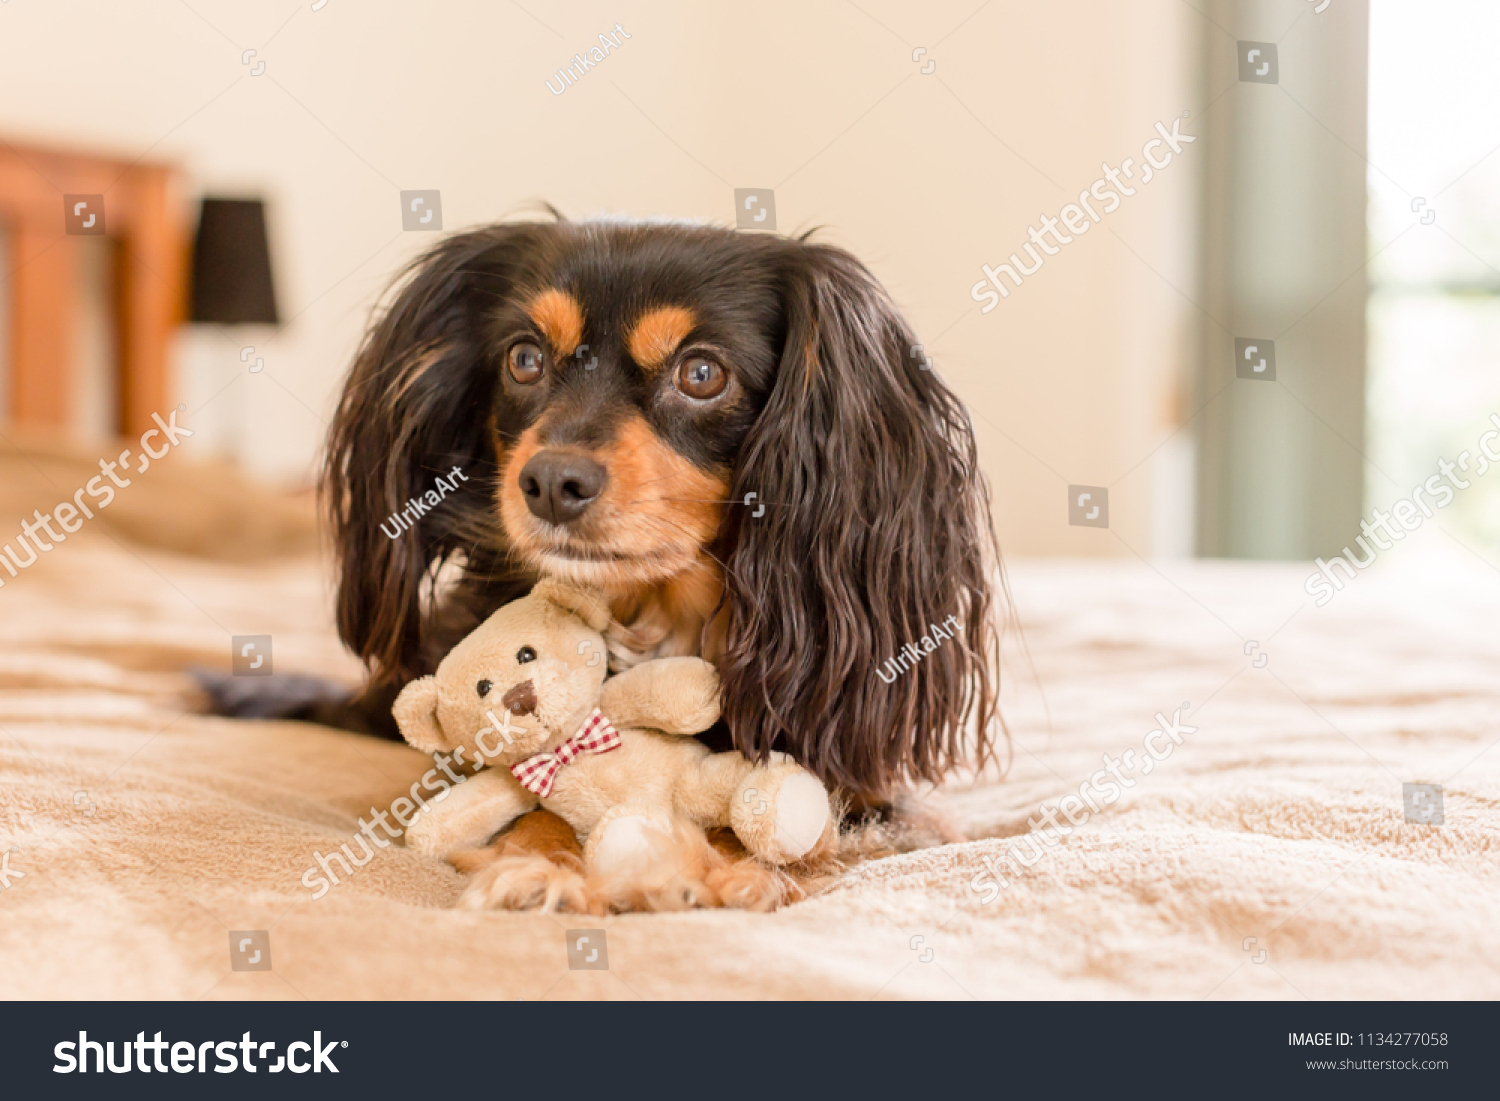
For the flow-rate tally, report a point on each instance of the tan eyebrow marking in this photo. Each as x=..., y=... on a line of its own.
x=560, y=317
x=657, y=334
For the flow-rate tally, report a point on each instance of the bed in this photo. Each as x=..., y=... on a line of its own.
x=1269, y=854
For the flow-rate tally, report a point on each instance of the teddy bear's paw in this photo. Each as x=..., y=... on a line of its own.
x=781, y=813
x=528, y=883
x=700, y=693
x=802, y=816
x=697, y=873
x=639, y=863
x=425, y=835
x=630, y=845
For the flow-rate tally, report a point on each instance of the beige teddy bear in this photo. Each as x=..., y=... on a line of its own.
x=526, y=694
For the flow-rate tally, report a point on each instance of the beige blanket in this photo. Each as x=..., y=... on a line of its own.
x=1267, y=856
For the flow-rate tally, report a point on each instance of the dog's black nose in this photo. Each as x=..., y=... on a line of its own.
x=560, y=486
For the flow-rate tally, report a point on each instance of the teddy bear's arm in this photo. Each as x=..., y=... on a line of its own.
x=673, y=695
x=472, y=813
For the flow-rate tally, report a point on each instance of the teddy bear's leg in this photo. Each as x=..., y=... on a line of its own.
x=705, y=789
x=780, y=812
x=629, y=840
x=640, y=857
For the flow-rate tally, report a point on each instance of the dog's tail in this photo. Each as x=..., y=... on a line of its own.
x=299, y=697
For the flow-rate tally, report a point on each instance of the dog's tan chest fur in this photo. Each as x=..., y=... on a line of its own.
x=668, y=620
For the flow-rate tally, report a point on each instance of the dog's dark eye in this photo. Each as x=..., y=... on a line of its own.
x=525, y=654
x=526, y=362
x=483, y=688
x=701, y=378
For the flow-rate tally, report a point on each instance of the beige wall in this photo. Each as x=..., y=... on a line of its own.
x=1074, y=378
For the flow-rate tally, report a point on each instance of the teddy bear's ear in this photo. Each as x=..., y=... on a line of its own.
x=415, y=711
x=586, y=605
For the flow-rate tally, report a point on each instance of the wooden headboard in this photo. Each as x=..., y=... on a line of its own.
x=143, y=219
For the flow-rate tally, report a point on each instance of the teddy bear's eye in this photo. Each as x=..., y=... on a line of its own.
x=483, y=687
x=525, y=654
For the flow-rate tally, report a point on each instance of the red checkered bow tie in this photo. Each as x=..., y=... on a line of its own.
x=538, y=773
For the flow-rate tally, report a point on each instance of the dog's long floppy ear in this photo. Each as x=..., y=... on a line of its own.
x=415, y=406
x=876, y=530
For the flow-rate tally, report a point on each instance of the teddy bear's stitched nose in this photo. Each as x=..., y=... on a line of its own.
x=520, y=700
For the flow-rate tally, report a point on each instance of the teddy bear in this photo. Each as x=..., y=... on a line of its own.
x=527, y=696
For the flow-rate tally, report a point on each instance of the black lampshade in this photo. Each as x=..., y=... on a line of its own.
x=232, y=265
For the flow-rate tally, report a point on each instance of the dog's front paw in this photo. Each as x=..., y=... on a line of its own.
x=529, y=883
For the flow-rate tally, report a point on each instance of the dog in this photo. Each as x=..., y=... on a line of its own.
x=733, y=436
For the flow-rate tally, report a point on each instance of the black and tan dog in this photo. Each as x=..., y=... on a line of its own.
x=727, y=433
